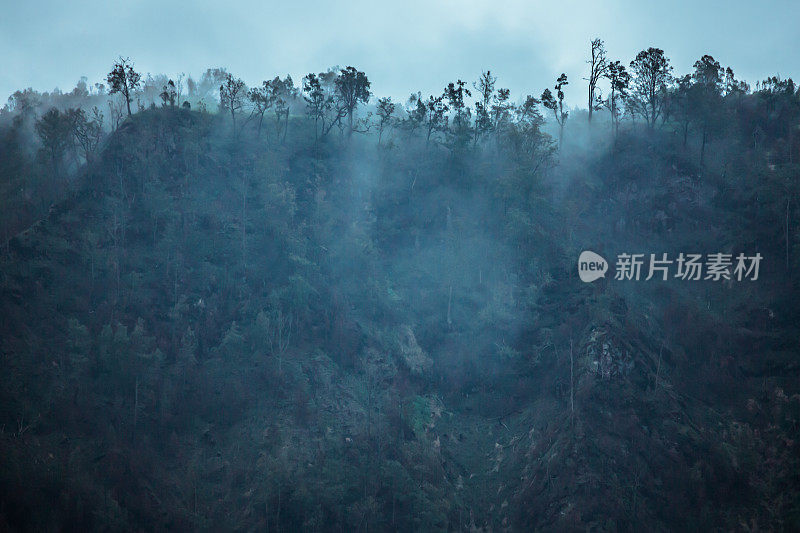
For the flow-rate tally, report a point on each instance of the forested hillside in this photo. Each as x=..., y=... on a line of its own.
x=311, y=308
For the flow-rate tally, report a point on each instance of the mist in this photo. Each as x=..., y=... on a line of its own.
x=315, y=294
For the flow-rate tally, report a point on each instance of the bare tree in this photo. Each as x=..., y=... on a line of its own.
x=598, y=66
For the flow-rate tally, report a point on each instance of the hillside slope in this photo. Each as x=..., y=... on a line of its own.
x=338, y=337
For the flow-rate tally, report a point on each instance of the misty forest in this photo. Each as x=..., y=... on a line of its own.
x=303, y=306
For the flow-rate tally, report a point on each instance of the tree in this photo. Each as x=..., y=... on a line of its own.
x=529, y=147
x=25, y=102
x=485, y=89
x=734, y=86
x=651, y=74
x=263, y=99
x=501, y=109
x=169, y=94
x=705, y=97
x=209, y=83
x=679, y=103
x=324, y=102
x=316, y=101
x=619, y=79
x=283, y=93
x=54, y=131
x=116, y=113
x=436, y=118
x=124, y=80
x=81, y=90
x=87, y=131
x=598, y=67
x=557, y=105
x=416, y=111
x=231, y=97
x=460, y=114
x=352, y=88
x=385, y=112
x=528, y=111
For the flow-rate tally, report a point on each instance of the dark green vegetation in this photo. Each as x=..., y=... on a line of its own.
x=296, y=315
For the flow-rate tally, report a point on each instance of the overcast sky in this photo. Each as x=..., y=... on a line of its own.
x=402, y=46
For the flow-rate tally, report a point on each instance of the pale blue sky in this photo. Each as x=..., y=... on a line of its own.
x=403, y=46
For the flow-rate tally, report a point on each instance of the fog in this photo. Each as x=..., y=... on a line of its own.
x=317, y=269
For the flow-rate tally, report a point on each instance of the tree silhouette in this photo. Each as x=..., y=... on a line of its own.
x=460, y=114
x=556, y=104
x=436, y=119
x=316, y=101
x=598, y=67
x=262, y=99
x=385, y=112
x=283, y=93
x=169, y=94
x=54, y=130
x=651, y=73
x=619, y=79
x=485, y=88
x=352, y=88
x=124, y=80
x=231, y=97
x=87, y=131
x=706, y=96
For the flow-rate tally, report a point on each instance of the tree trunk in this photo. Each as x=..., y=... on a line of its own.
x=787, y=234
x=244, y=224
x=349, y=122
x=703, y=148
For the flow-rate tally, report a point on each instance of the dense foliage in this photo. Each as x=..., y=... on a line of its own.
x=283, y=308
